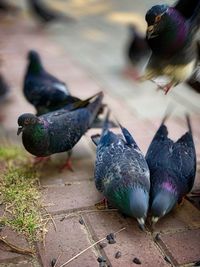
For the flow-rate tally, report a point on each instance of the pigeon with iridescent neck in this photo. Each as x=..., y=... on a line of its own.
x=171, y=35
x=57, y=131
x=172, y=170
x=121, y=173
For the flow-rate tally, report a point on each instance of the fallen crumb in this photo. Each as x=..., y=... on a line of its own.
x=136, y=261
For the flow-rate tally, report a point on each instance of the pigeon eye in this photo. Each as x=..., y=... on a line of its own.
x=158, y=18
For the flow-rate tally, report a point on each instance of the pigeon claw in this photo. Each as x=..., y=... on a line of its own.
x=38, y=160
x=67, y=165
x=102, y=205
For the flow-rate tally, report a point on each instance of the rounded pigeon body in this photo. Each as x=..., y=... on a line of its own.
x=122, y=174
x=171, y=35
x=172, y=170
x=43, y=90
x=56, y=131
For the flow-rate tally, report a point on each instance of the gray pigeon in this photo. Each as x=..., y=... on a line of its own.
x=121, y=173
x=57, y=131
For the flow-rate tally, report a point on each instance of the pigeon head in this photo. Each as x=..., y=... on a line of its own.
x=35, y=64
x=155, y=18
x=139, y=202
x=25, y=120
x=162, y=203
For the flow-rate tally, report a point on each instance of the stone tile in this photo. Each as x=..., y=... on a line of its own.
x=184, y=246
x=50, y=173
x=16, y=239
x=131, y=243
x=183, y=217
x=69, y=239
x=76, y=195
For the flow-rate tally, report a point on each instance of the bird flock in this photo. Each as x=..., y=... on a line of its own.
x=131, y=182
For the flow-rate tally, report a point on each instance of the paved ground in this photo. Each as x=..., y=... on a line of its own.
x=88, y=56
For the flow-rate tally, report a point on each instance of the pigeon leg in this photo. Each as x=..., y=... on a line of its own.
x=132, y=73
x=68, y=163
x=167, y=87
x=102, y=205
x=38, y=160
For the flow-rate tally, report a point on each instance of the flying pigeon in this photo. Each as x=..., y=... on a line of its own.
x=172, y=169
x=121, y=173
x=171, y=35
x=57, y=131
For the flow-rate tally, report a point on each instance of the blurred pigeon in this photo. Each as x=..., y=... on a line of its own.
x=57, y=131
x=194, y=81
x=4, y=92
x=4, y=88
x=137, y=50
x=45, y=14
x=121, y=173
x=172, y=169
x=7, y=8
x=171, y=35
x=43, y=90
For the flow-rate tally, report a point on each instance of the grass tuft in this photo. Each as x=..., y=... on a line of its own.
x=19, y=187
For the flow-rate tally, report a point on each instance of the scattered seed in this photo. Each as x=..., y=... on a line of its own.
x=197, y=263
x=102, y=245
x=53, y=262
x=101, y=259
x=111, y=238
x=118, y=255
x=136, y=261
x=167, y=259
x=81, y=221
x=62, y=219
x=157, y=237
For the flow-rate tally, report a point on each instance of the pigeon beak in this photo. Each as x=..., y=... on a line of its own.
x=150, y=32
x=20, y=129
x=141, y=223
x=154, y=220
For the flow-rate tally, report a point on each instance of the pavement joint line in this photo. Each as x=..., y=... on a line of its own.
x=79, y=211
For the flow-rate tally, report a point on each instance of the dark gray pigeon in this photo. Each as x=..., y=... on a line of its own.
x=57, y=131
x=172, y=169
x=45, y=14
x=121, y=173
x=42, y=89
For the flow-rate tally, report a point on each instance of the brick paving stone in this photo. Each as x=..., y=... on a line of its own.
x=16, y=239
x=69, y=239
x=72, y=196
x=183, y=217
x=184, y=246
x=50, y=173
x=131, y=243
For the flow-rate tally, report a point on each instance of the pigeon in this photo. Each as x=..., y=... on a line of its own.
x=194, y=81
x=7, y=8
x=43, y=90
x=45, y=14
x=57, y=131
x=4, y=88
x=137, y=50
x=171, y=35
x=121, y=173
x=172, y=169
